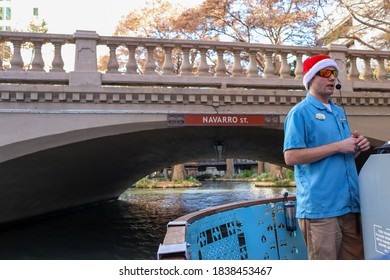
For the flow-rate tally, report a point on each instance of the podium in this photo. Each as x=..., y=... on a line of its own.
x=374, y=184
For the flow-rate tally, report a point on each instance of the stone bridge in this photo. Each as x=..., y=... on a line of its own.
x=72, y=135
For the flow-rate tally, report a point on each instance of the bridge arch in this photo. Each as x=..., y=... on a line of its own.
x=83, y=163
x=100, y=168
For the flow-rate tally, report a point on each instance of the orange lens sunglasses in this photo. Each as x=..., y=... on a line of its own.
x=326, y=73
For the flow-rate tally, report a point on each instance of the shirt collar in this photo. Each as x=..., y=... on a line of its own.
x=315, y=102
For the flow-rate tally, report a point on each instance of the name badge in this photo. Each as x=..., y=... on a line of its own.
x=320, y=117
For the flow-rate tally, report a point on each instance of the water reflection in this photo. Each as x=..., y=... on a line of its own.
x=129, y=228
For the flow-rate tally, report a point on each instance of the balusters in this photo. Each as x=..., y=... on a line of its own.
x=353, y=71
x=150, y=65
x=58, y=63
x=299, y=66
x=37, y=63
x=220, y=69
x=367, y=74
x=237, y=68
x=382, y=74
x=185, y=68
x=158, y=57
x=17, y=60
x=269, y=70
x=203, y=69
x=284, y=67
x=131, y=65
x=168, y=67
x=253, y=71
x=113, y=65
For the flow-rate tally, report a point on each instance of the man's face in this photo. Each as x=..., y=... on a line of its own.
x=323, y=86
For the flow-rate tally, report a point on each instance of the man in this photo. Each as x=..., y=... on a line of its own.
x=320, y=145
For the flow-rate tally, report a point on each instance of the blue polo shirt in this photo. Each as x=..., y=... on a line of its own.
x=328, y=187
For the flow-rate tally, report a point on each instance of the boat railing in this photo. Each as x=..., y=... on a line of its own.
x=243, y=231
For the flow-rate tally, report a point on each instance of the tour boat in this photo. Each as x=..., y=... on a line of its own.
x=259, y=229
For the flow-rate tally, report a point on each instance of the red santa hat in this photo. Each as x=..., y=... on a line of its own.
x=314, y=64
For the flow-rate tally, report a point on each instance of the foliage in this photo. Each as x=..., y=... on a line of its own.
x=364, y=21
x=247, y=173
x=288, y=181
x=188, y=180
x=192, y=179
x=289, y=174
x=264, y=21
x=39, y=26
x=145, y=183
x=5, y=54
x=264, y=177
x=293, y=22
x=282, y=183
x=253, y=21
x=156, y=20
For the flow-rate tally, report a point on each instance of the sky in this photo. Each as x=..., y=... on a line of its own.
x=67, y=16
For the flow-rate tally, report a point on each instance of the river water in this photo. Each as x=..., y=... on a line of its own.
x=129, y=228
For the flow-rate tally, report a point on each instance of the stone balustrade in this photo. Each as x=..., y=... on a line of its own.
x=361, y=70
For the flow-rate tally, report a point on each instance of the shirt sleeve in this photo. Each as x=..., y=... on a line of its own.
x=294, y=131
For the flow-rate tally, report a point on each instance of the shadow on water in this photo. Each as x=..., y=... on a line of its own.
x=129, y=228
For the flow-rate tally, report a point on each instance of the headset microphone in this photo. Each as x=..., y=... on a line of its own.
x=338, y=86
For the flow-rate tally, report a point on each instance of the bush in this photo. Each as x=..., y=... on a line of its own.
x=283, y=183
x=145, y=183
x=192, y=179
x=188, y=180
x=289, y=174
x=247, y=173
x=264, y=177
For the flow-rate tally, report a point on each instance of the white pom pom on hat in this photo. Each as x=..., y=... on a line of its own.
x=314, y=64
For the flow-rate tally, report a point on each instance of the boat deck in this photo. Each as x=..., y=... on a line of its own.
x=251, y=230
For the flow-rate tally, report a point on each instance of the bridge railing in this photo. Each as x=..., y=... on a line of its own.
x=181, y=63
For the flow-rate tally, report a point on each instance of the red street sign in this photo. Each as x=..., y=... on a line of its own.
x=223, y=120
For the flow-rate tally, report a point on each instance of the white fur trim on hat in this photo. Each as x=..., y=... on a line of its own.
x=322, y=64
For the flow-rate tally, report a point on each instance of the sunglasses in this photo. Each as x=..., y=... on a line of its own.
x=326, y=73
